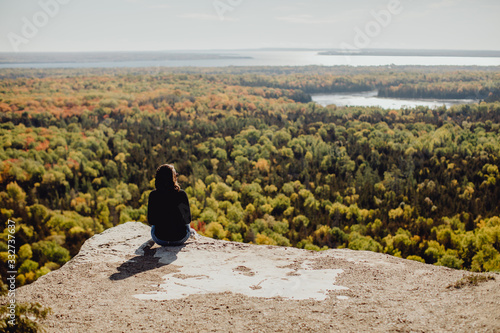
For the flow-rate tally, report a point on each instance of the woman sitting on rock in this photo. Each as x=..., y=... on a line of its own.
x=168, y=209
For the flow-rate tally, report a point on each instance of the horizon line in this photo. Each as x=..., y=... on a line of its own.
x=323, y=49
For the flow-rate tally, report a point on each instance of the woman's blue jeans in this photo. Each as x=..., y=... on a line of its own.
x=170, y=243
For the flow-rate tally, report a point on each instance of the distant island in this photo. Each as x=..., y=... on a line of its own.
x=244, y=57
x=412, y=53
x=90, y=57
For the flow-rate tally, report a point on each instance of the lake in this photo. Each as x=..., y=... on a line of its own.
x=277, y=58
x=370, y=99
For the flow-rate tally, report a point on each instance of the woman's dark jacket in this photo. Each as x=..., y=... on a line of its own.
x=169, y=211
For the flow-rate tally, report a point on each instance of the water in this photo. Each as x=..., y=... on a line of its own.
x=277, y=58
x=370, y=99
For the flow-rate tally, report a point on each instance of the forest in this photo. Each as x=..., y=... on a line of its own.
x=259, y=161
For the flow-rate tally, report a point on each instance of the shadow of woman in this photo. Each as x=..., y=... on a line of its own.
x=146, y=260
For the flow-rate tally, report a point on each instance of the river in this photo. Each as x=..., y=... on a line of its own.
x=370, y=99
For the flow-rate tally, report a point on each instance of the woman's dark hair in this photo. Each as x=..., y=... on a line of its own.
x=166, y=178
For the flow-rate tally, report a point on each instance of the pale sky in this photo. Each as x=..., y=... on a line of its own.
x=148, y=25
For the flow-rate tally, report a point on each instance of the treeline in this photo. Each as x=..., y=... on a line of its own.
x=488, y=91
x=444, y=82
x=78, y=155
x=448, y=85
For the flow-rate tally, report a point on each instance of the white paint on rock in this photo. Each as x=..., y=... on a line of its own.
x=245, y=272
x=211, y=266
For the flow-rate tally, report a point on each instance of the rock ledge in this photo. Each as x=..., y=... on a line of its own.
x=122, y=282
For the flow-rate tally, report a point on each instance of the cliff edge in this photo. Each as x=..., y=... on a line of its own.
x=122, y=282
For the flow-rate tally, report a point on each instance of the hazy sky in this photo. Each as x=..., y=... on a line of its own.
x=102, y=25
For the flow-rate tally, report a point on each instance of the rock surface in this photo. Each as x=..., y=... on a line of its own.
x=122, y=282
